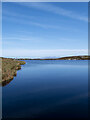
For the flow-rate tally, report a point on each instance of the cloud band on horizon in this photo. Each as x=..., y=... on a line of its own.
x=43, y=53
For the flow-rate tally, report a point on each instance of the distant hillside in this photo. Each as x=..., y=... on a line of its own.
x=75, y=58
x=86, y=57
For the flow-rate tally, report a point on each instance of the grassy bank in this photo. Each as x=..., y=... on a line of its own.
x=9, y=68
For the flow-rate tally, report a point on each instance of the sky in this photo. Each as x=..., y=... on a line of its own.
x=38, y=30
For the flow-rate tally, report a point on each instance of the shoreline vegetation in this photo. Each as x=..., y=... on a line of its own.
x=9, y=66
x=9, y=69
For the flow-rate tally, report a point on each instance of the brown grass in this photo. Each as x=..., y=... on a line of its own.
x=9, y=68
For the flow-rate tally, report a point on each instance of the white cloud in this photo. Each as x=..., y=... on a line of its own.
x=28, y=22
x=56, y=10
x=37, y=24
x=31, y=20
x=20, y=38
x=13, y=14
x=43, y=53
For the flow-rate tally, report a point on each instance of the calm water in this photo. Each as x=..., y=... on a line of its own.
x=49, y=89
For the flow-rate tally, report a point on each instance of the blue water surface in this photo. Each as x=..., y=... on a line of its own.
x=48, y=89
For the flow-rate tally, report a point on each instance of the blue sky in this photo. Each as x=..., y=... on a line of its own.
x=44, y=29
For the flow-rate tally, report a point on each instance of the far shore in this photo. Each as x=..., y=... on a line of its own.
x=85, y=57
x=11, y=65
